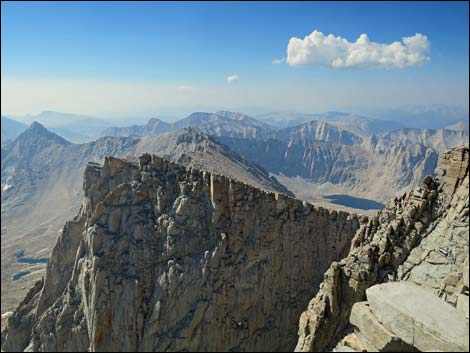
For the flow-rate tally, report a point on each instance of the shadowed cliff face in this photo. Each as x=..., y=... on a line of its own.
x=165, y=258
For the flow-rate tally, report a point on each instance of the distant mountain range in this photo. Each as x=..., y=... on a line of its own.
x=357, y=154
x=356, y=123
x=41, y=176
x=75, y=128
x=435, y=116
x=344, y=130
x=218, y=124
x=11, y=129
x=80, y=128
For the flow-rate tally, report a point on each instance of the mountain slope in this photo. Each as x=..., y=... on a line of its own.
x=319, y=131
x=11, y=129
x=153, y=127
x=440, y=140
x=356, y=169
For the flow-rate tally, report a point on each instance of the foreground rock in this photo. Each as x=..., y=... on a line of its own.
x=163, y=258
x=371, y=334
x=418, y=317
x=420, y=237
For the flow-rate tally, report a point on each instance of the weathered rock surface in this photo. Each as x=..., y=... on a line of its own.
x=41, y=183
x=372, y=334
x=421, y=237
x=418, y=317
x=166, y=258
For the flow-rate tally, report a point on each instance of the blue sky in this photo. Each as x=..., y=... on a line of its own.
x=145, y=57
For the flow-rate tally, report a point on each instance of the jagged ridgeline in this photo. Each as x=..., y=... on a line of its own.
x=419, y=245
x=164, y=258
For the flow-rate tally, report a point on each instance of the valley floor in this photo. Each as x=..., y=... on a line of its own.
x=316, y=194
x=36, y=244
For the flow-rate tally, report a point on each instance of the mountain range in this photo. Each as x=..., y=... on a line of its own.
x=42, y=171
x=74, y=127
x=353, y=154
x=163, y=257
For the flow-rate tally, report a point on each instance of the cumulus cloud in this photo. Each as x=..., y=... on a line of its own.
x=337, y=52
x=232, y=78
x=278, y=61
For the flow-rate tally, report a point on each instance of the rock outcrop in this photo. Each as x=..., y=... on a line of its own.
x=161, y=258
x=41, y=184
x=421, y=237
x=405, y=317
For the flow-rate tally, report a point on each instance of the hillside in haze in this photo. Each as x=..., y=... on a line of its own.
x=11, y=129
x=436, y=116
x=75, y=128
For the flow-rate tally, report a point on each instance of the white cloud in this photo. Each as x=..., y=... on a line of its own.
x=232, y=78
x=337, y=52
x=278, y=61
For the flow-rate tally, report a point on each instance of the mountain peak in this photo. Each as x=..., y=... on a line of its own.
x=37, y=126
x=37, y=130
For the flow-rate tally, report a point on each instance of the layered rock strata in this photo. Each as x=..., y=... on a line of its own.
x=166, y=258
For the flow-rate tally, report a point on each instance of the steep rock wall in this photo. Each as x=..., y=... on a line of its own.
x=164, y=258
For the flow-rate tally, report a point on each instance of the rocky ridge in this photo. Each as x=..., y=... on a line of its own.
x=161, y=257
x=41, y=184
x=420, y=238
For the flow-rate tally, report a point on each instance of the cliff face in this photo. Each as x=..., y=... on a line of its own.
x=420, y=238
x=165, y=258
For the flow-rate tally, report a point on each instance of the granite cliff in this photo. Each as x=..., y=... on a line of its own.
x=161, y=257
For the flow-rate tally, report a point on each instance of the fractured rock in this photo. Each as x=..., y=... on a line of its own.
x=419, y=317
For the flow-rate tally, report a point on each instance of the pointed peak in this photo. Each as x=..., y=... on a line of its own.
x=36, y=129
x=35, y=125
x=153, y=121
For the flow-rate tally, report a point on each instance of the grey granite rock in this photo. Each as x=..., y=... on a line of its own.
x=420, y=237
x=179, y=260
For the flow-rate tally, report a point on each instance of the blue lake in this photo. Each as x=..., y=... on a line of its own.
x=29, y=260
x=19, y=275
x=355, y=202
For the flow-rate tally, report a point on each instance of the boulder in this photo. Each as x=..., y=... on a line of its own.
x=373, y=334
x=418, y=317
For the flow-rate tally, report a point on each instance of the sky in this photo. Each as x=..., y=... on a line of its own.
x=151, y=58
